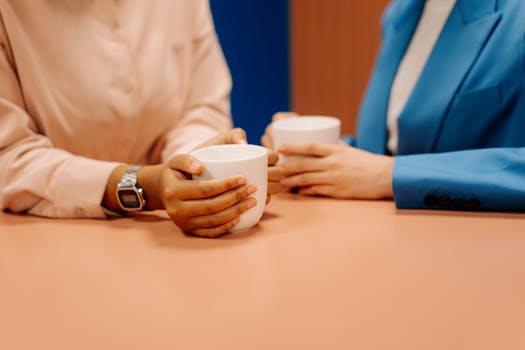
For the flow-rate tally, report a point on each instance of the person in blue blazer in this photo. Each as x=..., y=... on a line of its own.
x=461, y=129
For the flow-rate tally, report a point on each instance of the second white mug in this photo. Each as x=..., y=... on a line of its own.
x=321, y=129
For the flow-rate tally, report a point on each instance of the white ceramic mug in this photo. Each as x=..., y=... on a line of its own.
x=251, y=161
x=321, y=129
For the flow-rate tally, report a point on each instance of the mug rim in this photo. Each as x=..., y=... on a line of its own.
x=331, y=123
x=262, y=151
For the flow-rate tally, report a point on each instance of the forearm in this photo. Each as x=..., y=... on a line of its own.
x=484, y=179
x=207, y=102
x=199, y=126
x=385, y=179
x=49, y=182
x=149, y=178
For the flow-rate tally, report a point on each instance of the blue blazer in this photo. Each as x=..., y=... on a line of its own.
x=462, y=132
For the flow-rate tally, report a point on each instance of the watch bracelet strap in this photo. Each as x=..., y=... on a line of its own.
x=130, y=175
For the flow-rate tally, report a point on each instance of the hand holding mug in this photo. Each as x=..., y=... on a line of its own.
x=249, y=161
x=205, y=208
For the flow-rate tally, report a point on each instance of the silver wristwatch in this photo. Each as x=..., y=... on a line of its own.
x=130, y=195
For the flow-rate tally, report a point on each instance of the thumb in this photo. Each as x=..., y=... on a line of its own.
x=186, y=163
x=236, y=136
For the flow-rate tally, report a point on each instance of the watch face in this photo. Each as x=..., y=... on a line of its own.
x=129, y=199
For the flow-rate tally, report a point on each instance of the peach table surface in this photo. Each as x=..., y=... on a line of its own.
x=313, y=274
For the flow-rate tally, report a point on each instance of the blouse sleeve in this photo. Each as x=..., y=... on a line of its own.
x=36, y=177
x=207, y=106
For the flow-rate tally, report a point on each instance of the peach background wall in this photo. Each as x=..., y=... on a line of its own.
x=333, y=47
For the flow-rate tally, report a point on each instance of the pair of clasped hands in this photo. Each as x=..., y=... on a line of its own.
x=211, y=208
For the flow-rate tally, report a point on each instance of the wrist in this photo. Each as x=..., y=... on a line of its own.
x=149, y=179
x=110, y=200
x=386, y=183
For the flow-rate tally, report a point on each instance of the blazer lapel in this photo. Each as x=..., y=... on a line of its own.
x=400, y=23
x=467, y=30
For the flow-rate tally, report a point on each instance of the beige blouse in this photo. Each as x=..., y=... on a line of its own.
x=86, y=84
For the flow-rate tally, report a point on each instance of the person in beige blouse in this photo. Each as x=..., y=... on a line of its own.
x=88, y=88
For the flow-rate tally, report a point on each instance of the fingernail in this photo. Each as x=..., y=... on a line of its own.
x=195, y=165
x=241, y=181
x=251, y=189
x=243, y=142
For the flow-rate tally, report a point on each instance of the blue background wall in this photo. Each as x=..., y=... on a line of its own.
x=254, y=38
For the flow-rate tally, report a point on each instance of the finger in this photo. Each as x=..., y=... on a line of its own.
x=198, y=189
x=276, y=173
x=303, y=165
x=268, y=199
x=306, y=179
x=274, y=187
x=267, y=140
x=186, y=163
x=236, y=136
x=199, y=207
x=319, y=190
x=215, y=231
x=308, y=149
x=221, y=218
x=273, y=157
x=284, y=115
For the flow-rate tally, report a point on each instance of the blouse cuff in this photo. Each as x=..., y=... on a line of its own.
x=79, y=187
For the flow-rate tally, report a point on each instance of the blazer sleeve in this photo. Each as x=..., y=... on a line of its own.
x=484, y=179
x=207, y=106
x=36, y=177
